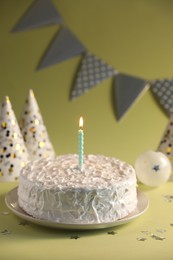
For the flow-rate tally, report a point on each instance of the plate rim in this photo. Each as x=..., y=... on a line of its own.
x=74, y=226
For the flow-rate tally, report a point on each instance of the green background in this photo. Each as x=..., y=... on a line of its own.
x=135, y=37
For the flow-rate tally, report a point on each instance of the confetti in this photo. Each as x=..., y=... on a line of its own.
x=74, y=237
x=141, y=238
x=5, y=213
x=111, y=232
x=168, y=198
x=161, y=230
x=146, y=232
x=5, y=232
x=151, y=235
x=157, y=237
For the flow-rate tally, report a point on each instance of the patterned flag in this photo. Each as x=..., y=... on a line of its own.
x=163, y=91
x=91, y=73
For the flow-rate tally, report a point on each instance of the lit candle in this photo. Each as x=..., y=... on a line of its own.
x=81, y=143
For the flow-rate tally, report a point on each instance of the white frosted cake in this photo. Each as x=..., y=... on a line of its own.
x=55, y=189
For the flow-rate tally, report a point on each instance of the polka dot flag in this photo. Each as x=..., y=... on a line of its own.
x=91, y=73
x=163, y=91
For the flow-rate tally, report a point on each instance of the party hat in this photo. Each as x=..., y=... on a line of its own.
x=13, y=153
x=34, y=131
x=166, y=143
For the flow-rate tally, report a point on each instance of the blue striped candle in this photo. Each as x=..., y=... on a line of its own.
x=81, y=143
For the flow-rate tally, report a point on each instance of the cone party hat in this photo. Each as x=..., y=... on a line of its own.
x=166, y=143
x=34, y=131
x=13, y=153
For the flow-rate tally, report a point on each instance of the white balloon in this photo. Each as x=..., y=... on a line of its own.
x=153, y=168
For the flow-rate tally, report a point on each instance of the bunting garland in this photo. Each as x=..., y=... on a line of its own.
x=92, y=70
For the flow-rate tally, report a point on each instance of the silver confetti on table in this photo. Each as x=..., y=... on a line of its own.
x=157, y=237
x=161, y=230
x=5, y=232
x=5, y=213
x=141, y=239
x=168, y=198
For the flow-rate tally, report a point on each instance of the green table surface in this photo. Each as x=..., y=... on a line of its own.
x=154, y=228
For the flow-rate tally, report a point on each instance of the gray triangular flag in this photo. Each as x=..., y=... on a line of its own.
x=65, y=46
x=163, y=91
x=91, y=72
x=41, y=13
x=127, y=90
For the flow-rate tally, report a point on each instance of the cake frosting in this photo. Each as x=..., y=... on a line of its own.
x=55, y=189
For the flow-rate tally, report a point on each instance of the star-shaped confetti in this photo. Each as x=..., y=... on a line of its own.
x=157, y=237
x=168, y=198
x=141, y=239
x=5, y=232
x=111, y=232
x=75, y=237
x=161, y=230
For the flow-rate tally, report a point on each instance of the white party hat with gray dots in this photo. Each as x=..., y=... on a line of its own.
x=91, y=73
x=13, y=153
x=166, y=143
x=163, y=91
x=34, y=131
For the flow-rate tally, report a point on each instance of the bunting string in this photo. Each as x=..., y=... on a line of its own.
x=92, y=70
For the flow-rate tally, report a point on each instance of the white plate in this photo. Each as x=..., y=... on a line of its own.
x=11, y=201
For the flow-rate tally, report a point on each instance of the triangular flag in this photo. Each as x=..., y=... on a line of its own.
x=13, y=153
x=92, y=72
x=34, y=131
x=163, y=91
x=166, y=143
x=65, y=46
x=127, y=89
x=41, y=13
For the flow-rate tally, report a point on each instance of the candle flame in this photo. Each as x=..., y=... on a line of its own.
x=81, y=122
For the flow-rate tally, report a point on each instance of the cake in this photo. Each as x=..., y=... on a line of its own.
x=55, y=189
